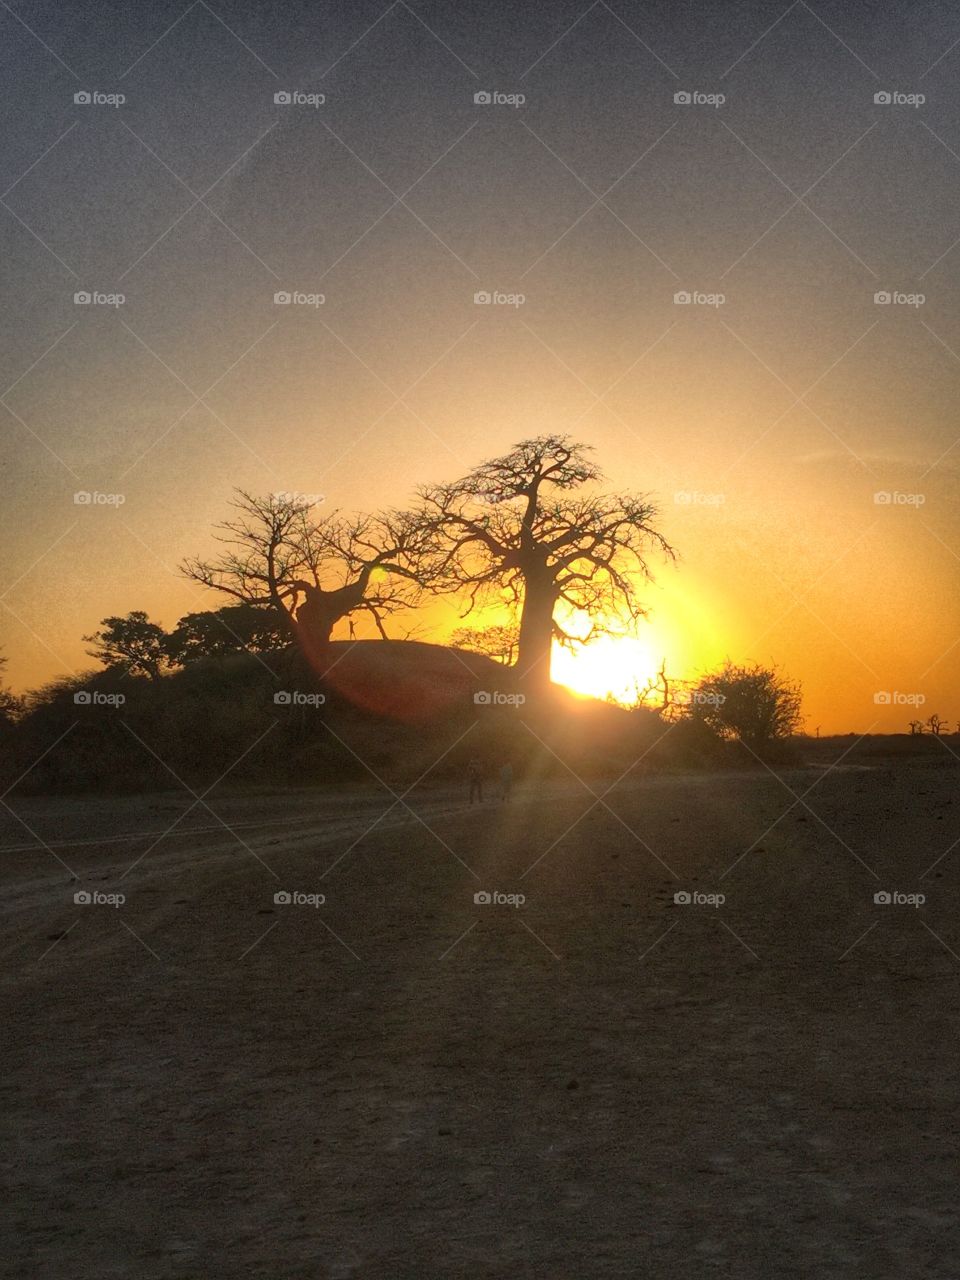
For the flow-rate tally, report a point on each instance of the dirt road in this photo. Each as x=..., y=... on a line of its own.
x=401, y=1081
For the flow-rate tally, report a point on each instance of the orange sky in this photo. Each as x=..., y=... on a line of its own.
x=764, y=425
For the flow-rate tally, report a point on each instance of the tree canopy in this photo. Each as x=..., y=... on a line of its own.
x=531, y=527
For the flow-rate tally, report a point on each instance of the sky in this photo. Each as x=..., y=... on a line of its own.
x=795, y=419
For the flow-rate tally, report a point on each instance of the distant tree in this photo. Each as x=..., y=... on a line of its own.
x=497, y=642
x=754, y=704
x=514, y=525
x=936, y=724
x=916, y=727
x=236, y=628
x=313, y=573
x=132, y=644
x=659, y=692
x=10, y=705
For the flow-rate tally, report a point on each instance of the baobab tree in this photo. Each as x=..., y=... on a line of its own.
x=514, y=531
x=312, y=572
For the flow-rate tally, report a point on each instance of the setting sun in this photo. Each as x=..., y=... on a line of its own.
x=617, y=667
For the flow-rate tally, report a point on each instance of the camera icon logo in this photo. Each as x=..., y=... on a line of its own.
x=882, y=298
x=82, y=698
x=882, y=698
x=282, y=98
x=482, y=898
x=482, y=299
x=682, y=298
x=283, y=698
x=282, y=298
x=482, y=698
x=82, y=898
x=882, y=898
x=82, y=98
x=883, y=98
x=281, y=898
x=482, y=98
x=82, y=299
x=681, y=898
x=883, y=498
x=82, y=498
x=683, y=98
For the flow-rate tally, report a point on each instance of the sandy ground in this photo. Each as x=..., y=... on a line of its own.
x=404, y=1083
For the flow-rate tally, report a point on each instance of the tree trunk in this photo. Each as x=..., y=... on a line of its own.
x=536, y=632
x=321, y=611
x=315, y=621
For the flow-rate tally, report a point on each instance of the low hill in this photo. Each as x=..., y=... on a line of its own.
x=412, y=681
x=395, y=710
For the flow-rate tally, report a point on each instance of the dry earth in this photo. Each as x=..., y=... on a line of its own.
x=403, y=1083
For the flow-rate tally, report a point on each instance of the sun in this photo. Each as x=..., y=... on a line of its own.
x=616, y=667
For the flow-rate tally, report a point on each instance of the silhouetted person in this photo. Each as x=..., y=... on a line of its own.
x=506, y=781
x=475, y=778
x=353, y=630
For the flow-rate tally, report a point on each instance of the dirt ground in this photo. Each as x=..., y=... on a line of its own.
x=404, y=1083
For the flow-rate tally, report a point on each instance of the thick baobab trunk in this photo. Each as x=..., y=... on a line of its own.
x=319, y=614
x=536, y=632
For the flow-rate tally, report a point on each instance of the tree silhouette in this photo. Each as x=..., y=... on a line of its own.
x=132, y=644
x=313, y=573
x=376, y=561
x=512, y=528
x=236, y=628
x=937, y=724
x=497, y=642
x=756, y=704
x=11, y=707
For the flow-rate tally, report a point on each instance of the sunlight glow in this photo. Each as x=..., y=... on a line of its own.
x=616, y=667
